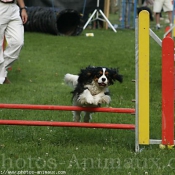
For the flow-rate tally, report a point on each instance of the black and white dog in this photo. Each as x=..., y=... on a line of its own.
x=91, y=88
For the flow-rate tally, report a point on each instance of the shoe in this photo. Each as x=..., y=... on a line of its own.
x=6, y=81
x=158, y=26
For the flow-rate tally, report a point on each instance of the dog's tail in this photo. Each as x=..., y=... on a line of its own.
x=71, y=80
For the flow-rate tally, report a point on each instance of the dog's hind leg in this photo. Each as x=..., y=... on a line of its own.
x=76, y=116
x=87, y=117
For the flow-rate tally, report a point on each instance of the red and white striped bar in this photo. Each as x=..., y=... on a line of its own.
x=67, y=108
x=67, y=124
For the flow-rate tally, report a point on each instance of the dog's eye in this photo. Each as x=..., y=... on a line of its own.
x=106, y=73
x=99, y=75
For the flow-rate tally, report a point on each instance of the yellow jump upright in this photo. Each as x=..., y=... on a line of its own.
x=143, y=78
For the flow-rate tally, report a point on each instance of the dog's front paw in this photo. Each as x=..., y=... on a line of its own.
x=90, y=100
x=86, y=97
x=106, y=99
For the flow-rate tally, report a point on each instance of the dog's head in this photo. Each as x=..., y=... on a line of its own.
x=102, y=76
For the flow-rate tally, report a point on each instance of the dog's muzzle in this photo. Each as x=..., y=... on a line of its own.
x=103, y=82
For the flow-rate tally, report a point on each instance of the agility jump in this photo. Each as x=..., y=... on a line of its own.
x=142, y=106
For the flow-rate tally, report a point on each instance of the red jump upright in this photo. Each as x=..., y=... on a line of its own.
x=167, y=91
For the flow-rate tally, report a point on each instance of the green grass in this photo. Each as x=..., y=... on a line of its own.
x=37, y=78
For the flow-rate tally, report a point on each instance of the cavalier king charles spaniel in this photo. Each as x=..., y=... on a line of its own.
x=91, y=88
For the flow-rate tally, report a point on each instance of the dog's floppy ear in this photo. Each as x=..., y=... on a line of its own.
x=86, y=75
x=115, y=76
x=118, y=77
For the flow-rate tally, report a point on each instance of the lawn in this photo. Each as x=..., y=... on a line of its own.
x=37, y=78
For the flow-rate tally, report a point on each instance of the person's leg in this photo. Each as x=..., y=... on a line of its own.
x=2, y=70
x=170, y=17
x=168, y=8
x=14, y=35
x=157, y=16
x=157, y=9
x=3, y=24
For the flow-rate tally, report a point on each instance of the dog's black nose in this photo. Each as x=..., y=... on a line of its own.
x=103, y=79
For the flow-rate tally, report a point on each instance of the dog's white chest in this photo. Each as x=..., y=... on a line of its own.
x=94, y=89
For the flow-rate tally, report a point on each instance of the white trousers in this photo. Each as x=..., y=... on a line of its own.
x=12, y=28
